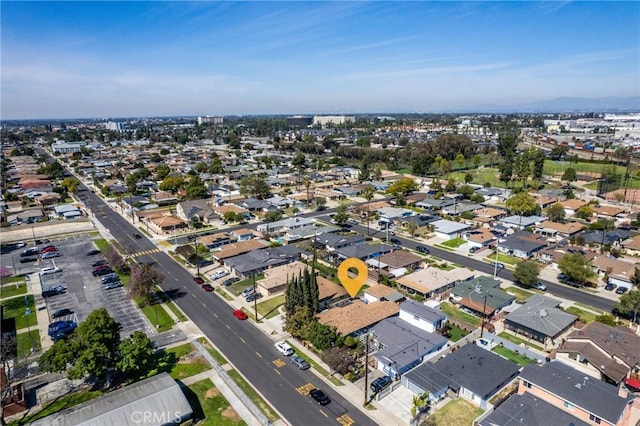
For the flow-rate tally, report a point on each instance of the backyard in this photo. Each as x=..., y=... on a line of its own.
x=521, y=360
x=455, y=413
x=519, y=341
x=454, y=312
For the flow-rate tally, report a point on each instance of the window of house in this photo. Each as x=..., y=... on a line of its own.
x=568, y=405
x=526, y=384
x=594, y=419
x=417, y=318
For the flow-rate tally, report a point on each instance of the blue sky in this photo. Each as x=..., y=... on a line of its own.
x=117, y=59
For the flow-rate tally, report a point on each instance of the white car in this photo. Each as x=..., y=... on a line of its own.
x=284, y=348
x=218, y=274
x=50, y=270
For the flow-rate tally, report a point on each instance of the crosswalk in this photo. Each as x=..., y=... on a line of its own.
x=146, y=252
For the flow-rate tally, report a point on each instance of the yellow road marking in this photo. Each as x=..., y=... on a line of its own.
x=345, y=420
x=279, y=363
x=305, y=389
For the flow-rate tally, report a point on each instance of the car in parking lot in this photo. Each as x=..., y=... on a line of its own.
x=380, y=383
x=100, y=262
x=53, y=290
x=621, y=290
x=219, y=274
x=50, y=270
x=48, y=249
x=113, y=284
x=198, y=280
x=319, y=396
x=93, y=252
x=610, y=286
x=58, y=326
x=207, y=287
x=498, y=265
x=422, y=249
x=30, y=251
x=300, y=362
x=238, y=313
x=50, y=255
x=102, y=271
x=28, y=259
x=109, y=278
x=61, y=313
x=284, y=348
x=230, y=281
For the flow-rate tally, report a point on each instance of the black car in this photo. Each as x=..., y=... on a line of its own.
x=99, y=263
x=61, y=313
x=30, y=251
x=102, y=271
x=380, y=383
x=28, y=259
x=610, y=287
x=230, y=281
x=319, y=396
x=93, y=252
x=395, y=241
x=422, y=249
x=137, y=236
x=621, y=290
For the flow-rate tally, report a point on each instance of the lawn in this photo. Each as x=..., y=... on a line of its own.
x=220, y=359
x=169, y=304
x=521, y=360
x=158, y=316
x=518, y=341
x=520, y=294
x=456, y=333
x=502, y=258
x=454, y=312
x=456, y=242
x=59, y=405
x=237, y=288
x=102, y=244
x=315, y=366
x=16, y=308
x=325, y=271
x=189, y=367
x=253, y=395
x=456, y=413
x=27, y=341
x=12, y=290
x=585, y=316
x=269, y=308
x=209, y=405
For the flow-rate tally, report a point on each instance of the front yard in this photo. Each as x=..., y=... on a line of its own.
x=456, y=413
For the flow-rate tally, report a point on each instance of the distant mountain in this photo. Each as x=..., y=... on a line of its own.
x=565, y=104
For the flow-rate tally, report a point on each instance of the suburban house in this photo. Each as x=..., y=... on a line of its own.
x=216, y=240
x=330, y=294
x=482, y=295
x=221, y=210
x=488, y=215
x=363, y=251
x=381, y=292
x=612, y=354
x=26, y=216
x=419, y=220
x=164, y=198
x=631, y=246
x=257, y=261
x=236, y=249
x=540, y=319
x=67, y=211
x=402, y=345
x=520, y=222
x=609, y=212
x=460, y=207
x=357, y=317
x=242, y=234
x=523, y=245
x=493, y=194
x=480, y=237
x=448, y=229
x=571, y=206
x=421, y=316
x=588, y=399
x=528, y=409
x=545, y=201
x=553, y=255
x=431, y=281
x=391, y=214
x=256, y=205
x=164, y=224
x=333, y=242
x=284, y=225
x=557, y=230
x=434, y=204
x=396, y=262
x=469, y=372
x=619, y=272
x=276, y=279
x=614, y=237
x=196, y=211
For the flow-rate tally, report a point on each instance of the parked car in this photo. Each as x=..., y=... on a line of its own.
x=93, y=252
x=50, y=270
x=319, y=396
x=57, y=326
x=498, y=265
x=48, y=249
x=102, y=271
x=198, y=280
x=238, y=313
x=230, y=281
x=540, y=286
x=395, y=241
x=53, y=290
x=621, y=290
x=380, y=383
x=247, y=291
x=30, y=251
x=219, y=274
x=137, y=236
x=252, y=297
x=99, y=263
x=300, y=362
x=474, y=249
x=28, y=259
x=610, y=287
x=352, y=222
x=284, y=348
x=61, y=313
x=112, y=285
x=422, y=249
x=207, y=287
x=109, y=278
x=50, y=255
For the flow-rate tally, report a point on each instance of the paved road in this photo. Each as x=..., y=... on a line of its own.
x=250, y=351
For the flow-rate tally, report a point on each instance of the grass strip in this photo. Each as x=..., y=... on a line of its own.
x=518, y=341
x=253, y=395
x=220, y=359
x=315, y=365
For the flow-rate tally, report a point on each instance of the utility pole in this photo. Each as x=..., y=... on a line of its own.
x=366, y=370
x=255, y=298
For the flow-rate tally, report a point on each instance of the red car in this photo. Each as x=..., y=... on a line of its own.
x=240, y=314
x=198, y=280
x=48, y=249
x=207, y=287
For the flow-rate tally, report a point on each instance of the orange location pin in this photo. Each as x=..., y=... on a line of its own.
x=352, y=285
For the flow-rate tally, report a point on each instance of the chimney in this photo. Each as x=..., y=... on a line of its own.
x=622, y=393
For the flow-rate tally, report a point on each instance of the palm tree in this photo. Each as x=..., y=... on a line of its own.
x=307, y=183
x=368, y=195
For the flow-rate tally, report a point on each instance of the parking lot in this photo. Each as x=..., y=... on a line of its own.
x=84, y=292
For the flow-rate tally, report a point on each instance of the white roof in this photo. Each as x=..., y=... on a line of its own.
x=448, y=226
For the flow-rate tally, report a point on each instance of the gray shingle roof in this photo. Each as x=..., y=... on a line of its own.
x=527, y=410
x=588, y=393
x=363, y=251
x=541, y=314
x=428, y=314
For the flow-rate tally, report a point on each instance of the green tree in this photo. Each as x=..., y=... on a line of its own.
x=71, y=184
x=419, y=404
x=468, y=177
x=143, y=279
x=299, y=160
x=255, y=186
x=321, y=336
x=404, y=186
x=585, y=212
x=232, y=217
x=555, y=212
x=450, y=186
x=466, y=191
x=298, y=321
x=570, y=175
x=630, y=303
x=196, y=189
x=476, y=160
x=460, y=160
x=171, y=184
x=162, y=171
x=575, y=267
x=526, y=273
x=368, y=195
x=341, y=215
x=272, y=216
x=136, y=355
x=607, y=319
x=538, y=158
x=522, y=203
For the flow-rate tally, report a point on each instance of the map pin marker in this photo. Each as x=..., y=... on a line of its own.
x=352, y=285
